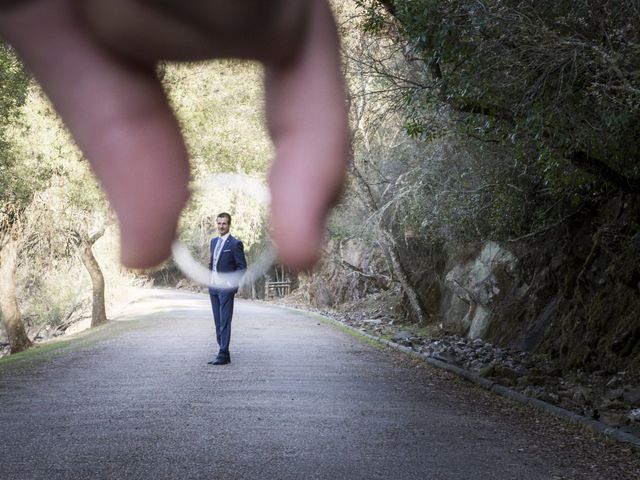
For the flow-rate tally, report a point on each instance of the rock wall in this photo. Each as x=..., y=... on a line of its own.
x=473, y=287
x=572, y=292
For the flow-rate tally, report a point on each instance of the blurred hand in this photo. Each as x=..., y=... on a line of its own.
x=96, y=59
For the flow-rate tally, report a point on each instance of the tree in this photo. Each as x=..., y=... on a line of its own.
x=219, y=107
x=84, y=244
x=373, y=208
x=11, y=316
x=560, y=78
x=70, y=213
x=14, y=195
x=529, y=118
x=60, y=205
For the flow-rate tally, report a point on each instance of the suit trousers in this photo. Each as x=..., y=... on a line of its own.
x=222, y=305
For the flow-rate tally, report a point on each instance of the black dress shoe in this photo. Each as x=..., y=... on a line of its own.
x=221, y=361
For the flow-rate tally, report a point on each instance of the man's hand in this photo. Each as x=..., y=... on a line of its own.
x=95, y=60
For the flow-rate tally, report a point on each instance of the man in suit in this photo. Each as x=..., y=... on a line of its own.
x=227, y=264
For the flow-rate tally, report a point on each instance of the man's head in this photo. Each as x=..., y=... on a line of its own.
x=223, y=222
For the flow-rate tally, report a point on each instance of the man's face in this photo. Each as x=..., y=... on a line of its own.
x=223, y=225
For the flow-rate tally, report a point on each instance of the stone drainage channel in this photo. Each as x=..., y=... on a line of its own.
x=614, y=432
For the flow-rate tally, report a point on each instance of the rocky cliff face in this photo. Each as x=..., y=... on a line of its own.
x=473, y=287
x=571, y=292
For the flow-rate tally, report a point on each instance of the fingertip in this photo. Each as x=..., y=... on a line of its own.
x=134, y=257
x=298, y=245
x=148, y=229
x=301, y=197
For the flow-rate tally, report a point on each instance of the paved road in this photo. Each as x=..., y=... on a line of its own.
x=301, y=400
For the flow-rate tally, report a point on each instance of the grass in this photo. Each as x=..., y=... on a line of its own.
x=52, y=348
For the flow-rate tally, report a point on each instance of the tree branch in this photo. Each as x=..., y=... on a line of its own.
x=94, y=238
x=598, y=168
x=381, y=281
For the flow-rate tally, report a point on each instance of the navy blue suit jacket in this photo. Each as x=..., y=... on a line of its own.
x=231, y=257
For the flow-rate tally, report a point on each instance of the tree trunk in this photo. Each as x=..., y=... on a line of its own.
x=403, y=278
x=13, y=324
x=388, y=243
x=98, y=310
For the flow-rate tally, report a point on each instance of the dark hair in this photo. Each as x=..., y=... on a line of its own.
x=225, y=215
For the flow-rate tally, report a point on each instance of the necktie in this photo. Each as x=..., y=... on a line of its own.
x=216, y=253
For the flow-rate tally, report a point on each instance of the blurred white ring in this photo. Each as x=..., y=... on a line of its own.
x=227, y=280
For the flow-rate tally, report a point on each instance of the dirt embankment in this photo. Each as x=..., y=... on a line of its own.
x=558, y=319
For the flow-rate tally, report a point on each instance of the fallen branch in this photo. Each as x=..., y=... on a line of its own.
x=381, y=281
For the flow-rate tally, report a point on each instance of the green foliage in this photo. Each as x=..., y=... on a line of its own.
x=13, y=88
x=13, y=84
x=219, y=107
x=55, y=294
x=49, y=186
x=48, y=171
x=562, y=75
x=374, y=21
x=494, y=99
x=415, y=129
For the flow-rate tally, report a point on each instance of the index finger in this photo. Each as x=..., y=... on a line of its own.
x=118, y=115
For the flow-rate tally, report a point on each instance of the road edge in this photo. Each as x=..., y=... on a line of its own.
x=614, y=433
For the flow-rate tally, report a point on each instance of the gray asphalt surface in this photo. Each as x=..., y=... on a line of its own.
x=300, y=400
